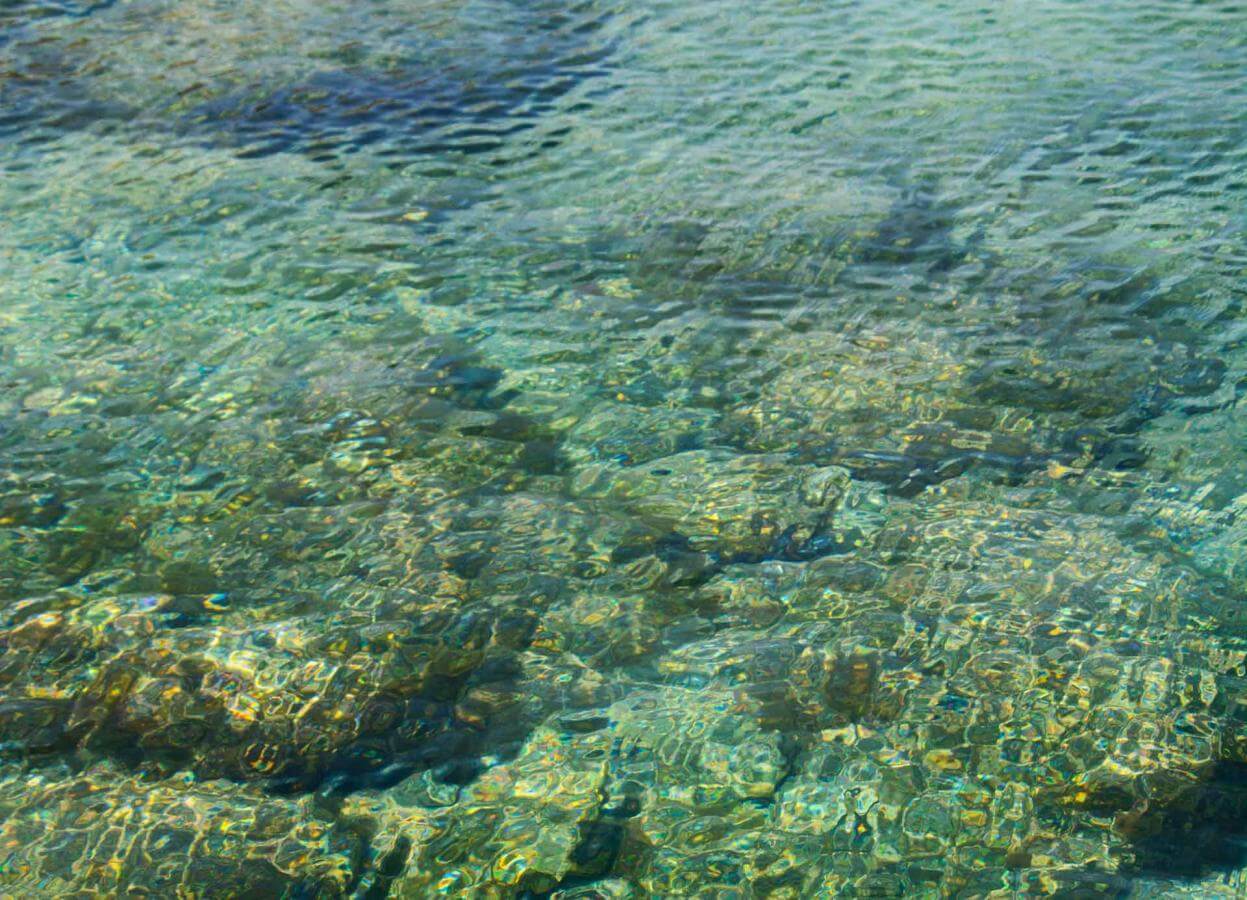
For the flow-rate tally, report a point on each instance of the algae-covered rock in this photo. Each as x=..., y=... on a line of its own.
x=292, y=702
x=523, y=826
x=100, y=831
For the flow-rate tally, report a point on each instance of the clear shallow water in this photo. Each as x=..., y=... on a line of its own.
x=502, y=449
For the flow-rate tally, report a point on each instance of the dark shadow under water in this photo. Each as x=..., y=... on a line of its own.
x=419, y=106
x=1206, y=835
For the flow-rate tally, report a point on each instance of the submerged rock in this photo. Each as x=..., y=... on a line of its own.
x=290, y=704
x=524, y=826
x=102, y=831
x=726, y=502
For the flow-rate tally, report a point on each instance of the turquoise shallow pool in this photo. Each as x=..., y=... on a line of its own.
x=512, y=448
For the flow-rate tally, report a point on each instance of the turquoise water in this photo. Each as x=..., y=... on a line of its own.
x=519, y=449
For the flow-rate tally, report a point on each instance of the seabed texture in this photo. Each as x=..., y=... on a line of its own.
x=519, y=448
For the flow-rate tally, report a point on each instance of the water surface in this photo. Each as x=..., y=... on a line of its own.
x=498, y=449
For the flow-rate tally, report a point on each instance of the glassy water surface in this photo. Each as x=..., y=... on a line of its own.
x=504, y=448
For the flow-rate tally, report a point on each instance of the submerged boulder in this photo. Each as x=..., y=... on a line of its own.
x=290, y=704
x=523, y=826
x=100, y=831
